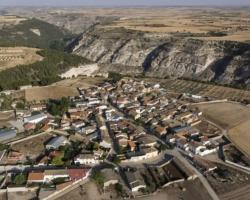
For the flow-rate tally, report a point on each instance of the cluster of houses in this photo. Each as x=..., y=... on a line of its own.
x=133, y=143
x=167, y=115
x=114, y=118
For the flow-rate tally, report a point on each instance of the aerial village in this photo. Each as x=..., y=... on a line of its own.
x=129, y=136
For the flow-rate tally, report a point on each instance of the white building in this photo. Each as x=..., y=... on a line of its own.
x=35, y=119
x=87, y=159
x=50, y=175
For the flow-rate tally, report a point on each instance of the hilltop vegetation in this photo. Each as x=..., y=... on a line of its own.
x=40, y=73
x=34, y=33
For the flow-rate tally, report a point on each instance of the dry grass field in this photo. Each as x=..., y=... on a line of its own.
x=63, y=88
x=240, y=135
x=49, y=92
x=13, y=56
x=227, y=115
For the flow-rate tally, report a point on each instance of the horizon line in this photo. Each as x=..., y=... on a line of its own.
x=125, y=6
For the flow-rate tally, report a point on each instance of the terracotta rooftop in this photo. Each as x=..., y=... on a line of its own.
x=76, y=174
x=34, y=176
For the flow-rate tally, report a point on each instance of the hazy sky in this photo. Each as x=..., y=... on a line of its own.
x=122, y=2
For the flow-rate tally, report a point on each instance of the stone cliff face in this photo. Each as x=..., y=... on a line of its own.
x=162, y=55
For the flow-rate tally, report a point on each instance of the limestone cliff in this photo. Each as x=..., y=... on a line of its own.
x=162, y=55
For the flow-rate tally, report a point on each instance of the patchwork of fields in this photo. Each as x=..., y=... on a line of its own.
x=211, y=24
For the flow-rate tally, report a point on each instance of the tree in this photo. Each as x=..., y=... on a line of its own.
x=116, y=160
x=6, y=104
x=58, y=160
x=58, y=107
x=20, y=179
x=42, y=72
x=119, y=188
x=98, y=178
x=115, y=76
x=20, y=105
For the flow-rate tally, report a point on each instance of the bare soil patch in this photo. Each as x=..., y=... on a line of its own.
x=80, y=82
x=87, y=191
x=32, y=147
x=49, y=92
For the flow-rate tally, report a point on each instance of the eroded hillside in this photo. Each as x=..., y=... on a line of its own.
x=162, y=55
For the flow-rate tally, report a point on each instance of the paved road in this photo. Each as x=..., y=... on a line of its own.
x=175, y=153
x=203, y=180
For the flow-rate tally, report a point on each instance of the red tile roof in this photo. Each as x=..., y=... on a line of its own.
x=76, y=174
x=35, y=176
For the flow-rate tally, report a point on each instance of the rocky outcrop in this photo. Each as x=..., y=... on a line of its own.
x=162, y=55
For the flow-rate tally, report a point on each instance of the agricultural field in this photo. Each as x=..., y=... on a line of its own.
x=202, y=23
x=49, y=92
x=13, y=56
x=63, y=88
x=80, y=82
x=241, y=137
x=227, y=115
x=212, y=23
x=233, y=117
x=10, y=20
x=203, y=89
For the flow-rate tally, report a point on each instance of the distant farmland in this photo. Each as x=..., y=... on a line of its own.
x=203, y=89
